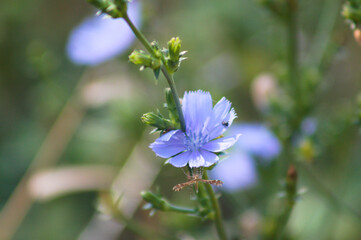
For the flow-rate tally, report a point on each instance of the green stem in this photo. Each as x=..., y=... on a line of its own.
x=293, y=48
x=178, y=209
x=165, y=72
x=326, y=24
x=291, y=193
x=218, y=216
x=139, y=35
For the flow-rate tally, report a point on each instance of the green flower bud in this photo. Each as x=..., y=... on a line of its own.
x=172, y=109
x=174, y=46
x=107, y=6
x=157, y=120
x=174, y=55
x=156, y=201
x=145, y=60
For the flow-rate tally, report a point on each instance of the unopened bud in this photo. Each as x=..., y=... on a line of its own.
x=175, y=56
x=156, y=120
x=357, y=35
x=144, y=59
x=307, y=150
x=263, y=88
x=174, y=46
x=156, y=201
x=292, y=174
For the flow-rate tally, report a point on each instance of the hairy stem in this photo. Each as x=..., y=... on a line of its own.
x=165, y=72
x=218, y=216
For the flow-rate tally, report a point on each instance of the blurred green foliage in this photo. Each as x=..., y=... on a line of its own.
x=229, y=43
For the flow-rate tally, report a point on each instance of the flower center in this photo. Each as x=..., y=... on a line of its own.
x=195, y=141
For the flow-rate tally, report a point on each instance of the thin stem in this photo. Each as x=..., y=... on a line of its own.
x=178, y=209
x=172, y=86
x=291, y=193
x=218, y=217
x=293, y=48
x=165, y=72
x=326, y=24
x=139, y=35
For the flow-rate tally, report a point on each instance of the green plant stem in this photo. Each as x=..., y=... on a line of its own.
x=173, y=88
x=293, y=49
x=218, y=216
x=167, y=75
x=326, y=24
x=178, y=209
x=291, y=193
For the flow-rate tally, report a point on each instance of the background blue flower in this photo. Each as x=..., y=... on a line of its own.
x=204, y=123
x=258, y=140
x=238, y=170
x=98, y=39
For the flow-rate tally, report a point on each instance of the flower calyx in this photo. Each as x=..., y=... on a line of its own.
x=115, y=9
x=158, y=121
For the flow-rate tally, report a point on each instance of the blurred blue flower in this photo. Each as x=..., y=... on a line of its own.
x=309, y=126
x=98, y=39
x=258, y=140
x=204, y=123
x=238, y=171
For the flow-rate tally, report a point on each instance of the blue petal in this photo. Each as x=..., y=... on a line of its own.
x=196, y=160
x=167, y=136
x=221, y=110
x=197, y=108
x=210, y=158
x=222, y=113
x=165, y=150
x=180, y=160
x=99, y=39
x=169, y=144
x=221, y=144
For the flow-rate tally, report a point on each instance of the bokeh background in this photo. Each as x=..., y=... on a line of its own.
x=58, y=116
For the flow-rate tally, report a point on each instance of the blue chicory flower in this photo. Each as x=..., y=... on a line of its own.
x=98, y=39
x=204, y=124
x=238, y=171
